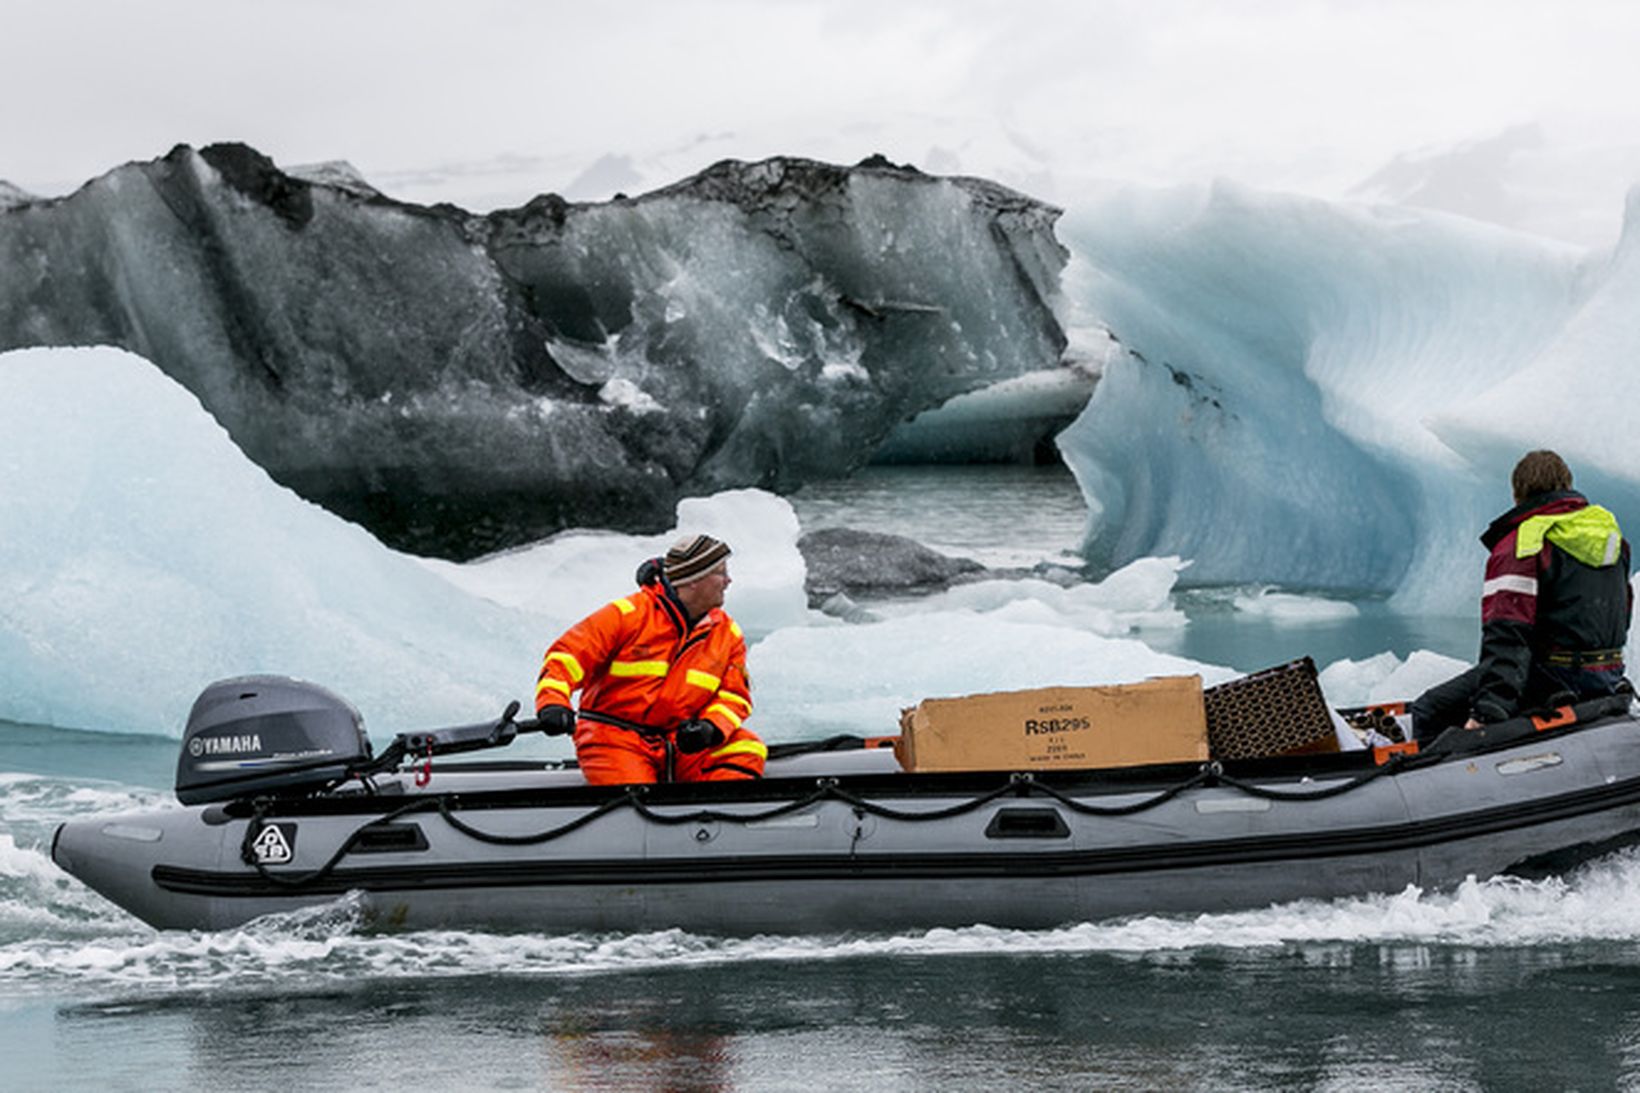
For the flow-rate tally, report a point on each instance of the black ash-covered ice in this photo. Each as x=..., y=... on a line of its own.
x=460, y=382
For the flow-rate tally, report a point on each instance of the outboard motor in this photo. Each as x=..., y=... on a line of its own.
x=268, y=735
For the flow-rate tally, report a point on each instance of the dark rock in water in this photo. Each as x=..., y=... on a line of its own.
x=854, y=563
x=458, y=383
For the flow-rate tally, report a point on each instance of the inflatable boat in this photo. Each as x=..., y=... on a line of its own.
x=283, y=806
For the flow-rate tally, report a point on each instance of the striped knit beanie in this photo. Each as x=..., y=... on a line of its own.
x=694, y=556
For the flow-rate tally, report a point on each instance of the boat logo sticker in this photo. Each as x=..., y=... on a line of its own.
x=275, y=844
x=237, y=744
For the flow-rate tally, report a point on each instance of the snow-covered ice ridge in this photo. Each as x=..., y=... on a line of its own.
x=1332, y=396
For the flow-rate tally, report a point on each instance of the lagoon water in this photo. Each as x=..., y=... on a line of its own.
x=1501, y=984
x=1020, y=517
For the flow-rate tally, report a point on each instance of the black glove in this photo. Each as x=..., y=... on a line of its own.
x=697, y=735
x=556, y=720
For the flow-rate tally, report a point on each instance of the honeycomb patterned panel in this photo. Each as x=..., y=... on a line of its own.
x=1277, y=711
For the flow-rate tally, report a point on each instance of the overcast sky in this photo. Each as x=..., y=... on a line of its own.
x=488, y=102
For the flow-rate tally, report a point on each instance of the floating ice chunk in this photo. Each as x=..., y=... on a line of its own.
x=1353, y=682
x=1386, y=677
x=142, y=556
x=571, y=575
x=1422, y=670
x=767, y=570
x=1141, y=586
x=1136, y=596
x=815, y=681
x=1292, y=608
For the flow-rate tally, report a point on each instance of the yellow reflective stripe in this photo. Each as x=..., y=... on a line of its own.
x=1589, y=534
x=702, y=679
x=733, y=697
x=742, y=747
x=638, y=668
x=728, y=715
x=625, y=606
x=571, y=665
x=734, y=628
x=552, y=685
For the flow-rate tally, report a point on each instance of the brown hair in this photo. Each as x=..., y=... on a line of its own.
x=1538, y=472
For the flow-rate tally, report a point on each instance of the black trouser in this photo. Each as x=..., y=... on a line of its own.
x=1447, y=704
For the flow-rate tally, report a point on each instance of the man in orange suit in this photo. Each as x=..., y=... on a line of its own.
x=662, y=676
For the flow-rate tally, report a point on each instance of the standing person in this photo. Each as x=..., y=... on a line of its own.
x=662, y=675
x=1554, y=609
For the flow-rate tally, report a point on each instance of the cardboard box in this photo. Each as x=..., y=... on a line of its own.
x=1058, y=728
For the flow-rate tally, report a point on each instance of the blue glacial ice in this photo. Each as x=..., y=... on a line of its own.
x=1330, y=397
x=142, y=555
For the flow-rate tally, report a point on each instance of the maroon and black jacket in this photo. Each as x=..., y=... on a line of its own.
x=1545, y=603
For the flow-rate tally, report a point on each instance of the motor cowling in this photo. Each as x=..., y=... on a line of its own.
x=267, y=736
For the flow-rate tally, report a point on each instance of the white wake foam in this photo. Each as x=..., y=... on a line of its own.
x=324, y=945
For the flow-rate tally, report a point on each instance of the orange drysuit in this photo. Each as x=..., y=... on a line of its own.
x=638, y=661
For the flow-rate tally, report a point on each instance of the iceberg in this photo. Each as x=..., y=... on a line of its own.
x=1330, y=398
x=142, y=555
x=459, y=383
x=1310, y=400
x=1284, y=391
x=574, y=573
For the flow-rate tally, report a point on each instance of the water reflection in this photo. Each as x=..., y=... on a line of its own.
x=589, y=1058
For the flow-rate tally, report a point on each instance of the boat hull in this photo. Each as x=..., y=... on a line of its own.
x=841, y=843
